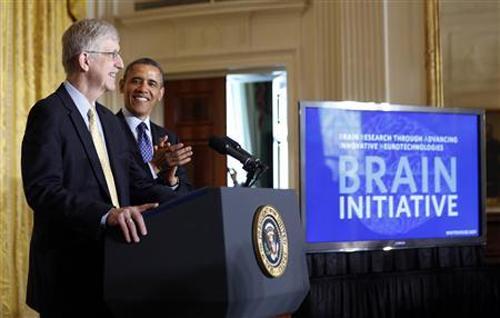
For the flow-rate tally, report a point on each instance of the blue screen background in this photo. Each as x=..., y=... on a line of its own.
x=322, y=151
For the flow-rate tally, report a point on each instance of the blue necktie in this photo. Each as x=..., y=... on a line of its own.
x=144, y=143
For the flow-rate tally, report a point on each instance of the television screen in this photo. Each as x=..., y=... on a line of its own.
x=379, y=176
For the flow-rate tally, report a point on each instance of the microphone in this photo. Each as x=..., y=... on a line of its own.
x=227, y=146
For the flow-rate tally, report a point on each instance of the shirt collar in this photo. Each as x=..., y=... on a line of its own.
x=134, y=121
x=81, y=102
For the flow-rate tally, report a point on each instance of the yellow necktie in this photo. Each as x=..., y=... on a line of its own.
x=103, y=156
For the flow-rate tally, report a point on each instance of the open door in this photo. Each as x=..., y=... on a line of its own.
x=195, y=109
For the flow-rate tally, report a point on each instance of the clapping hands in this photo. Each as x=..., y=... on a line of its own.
x=168, y=157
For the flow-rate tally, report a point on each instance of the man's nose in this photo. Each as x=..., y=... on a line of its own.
x=142, y=86
x=119, y=63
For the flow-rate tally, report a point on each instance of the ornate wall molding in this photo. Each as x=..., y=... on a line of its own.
x=327, y=27
x=129, y=16
x=362, y=51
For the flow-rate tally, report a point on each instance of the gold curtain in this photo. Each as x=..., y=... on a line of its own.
x=30, y=68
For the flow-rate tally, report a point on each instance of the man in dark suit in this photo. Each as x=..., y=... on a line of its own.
x=80, y=177
x=142, y=87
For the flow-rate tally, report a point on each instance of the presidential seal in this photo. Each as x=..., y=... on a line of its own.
x=270, y=241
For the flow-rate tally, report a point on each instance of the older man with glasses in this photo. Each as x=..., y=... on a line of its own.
x=80, y=177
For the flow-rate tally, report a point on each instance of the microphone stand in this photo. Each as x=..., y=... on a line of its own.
x=255, y=168
x=250, y=177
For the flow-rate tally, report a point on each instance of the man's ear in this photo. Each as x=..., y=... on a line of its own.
x=162, y=91
x=83, y=61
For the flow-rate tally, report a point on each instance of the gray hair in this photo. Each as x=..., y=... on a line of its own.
x=82, y=36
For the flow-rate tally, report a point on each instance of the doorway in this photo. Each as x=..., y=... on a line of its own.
x=256, y=117
x=250, y=108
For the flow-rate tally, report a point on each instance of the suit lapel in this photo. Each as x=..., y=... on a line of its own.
x=129, y=133
x=157, y=133
x=154, y=133
x=85, y=138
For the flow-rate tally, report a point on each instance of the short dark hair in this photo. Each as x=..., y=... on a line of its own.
x=145, y=61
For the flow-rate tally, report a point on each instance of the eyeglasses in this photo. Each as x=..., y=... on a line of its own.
x=114, y=54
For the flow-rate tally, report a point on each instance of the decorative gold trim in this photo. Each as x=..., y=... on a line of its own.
x=70, y=13
x=76, y=9
x=433, y=61
x=223, y=8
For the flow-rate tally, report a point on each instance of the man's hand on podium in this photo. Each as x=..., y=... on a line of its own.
x=130, y=220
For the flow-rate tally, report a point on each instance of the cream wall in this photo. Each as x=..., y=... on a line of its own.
x=471, y=54
x=332, y=50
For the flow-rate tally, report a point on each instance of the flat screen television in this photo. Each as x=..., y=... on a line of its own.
x=381, y=176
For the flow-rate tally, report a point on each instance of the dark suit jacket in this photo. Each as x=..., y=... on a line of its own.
x=65, y=186
x=158, y=132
